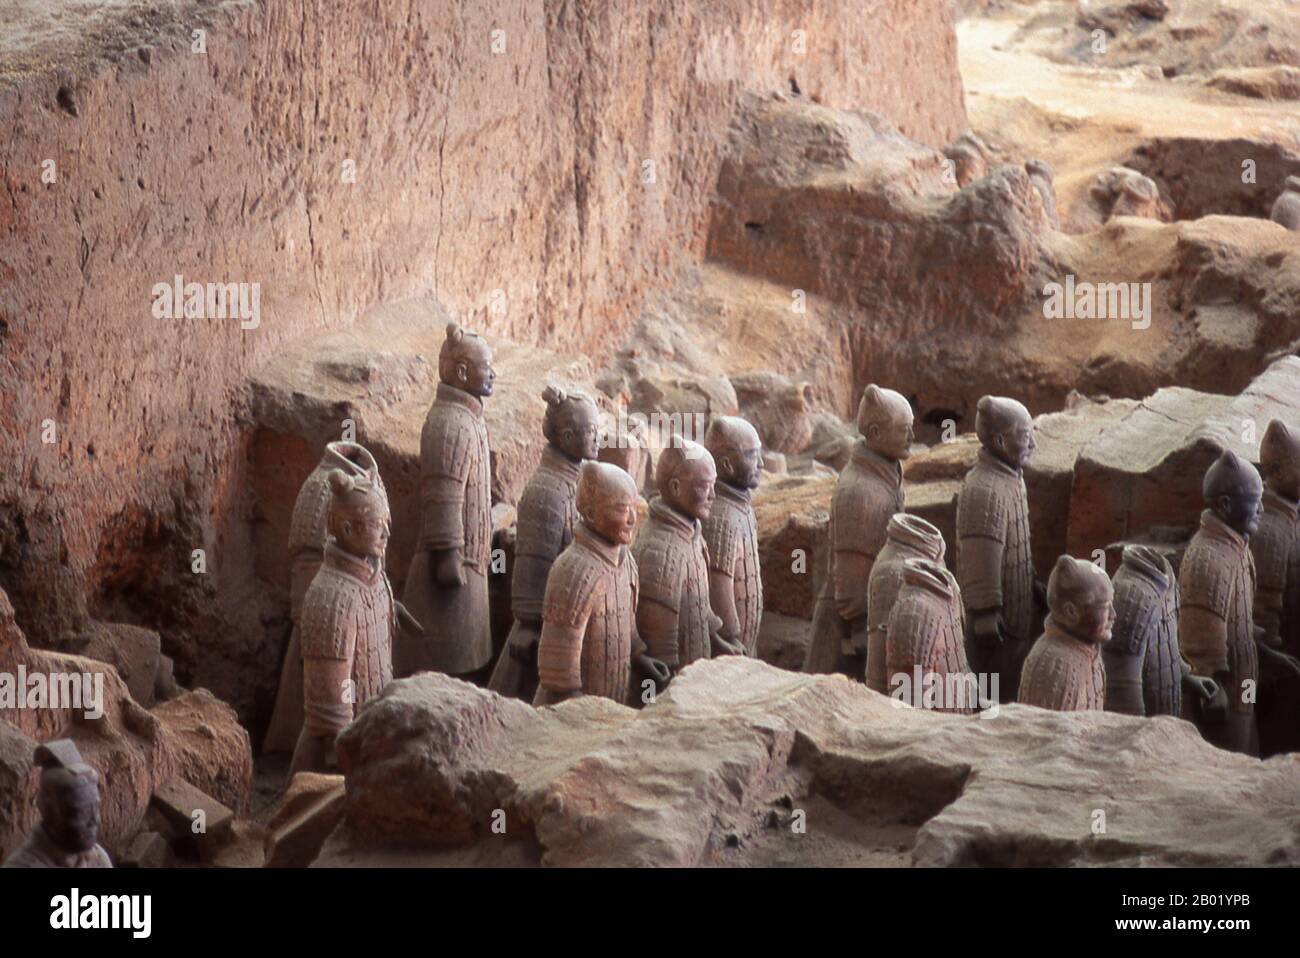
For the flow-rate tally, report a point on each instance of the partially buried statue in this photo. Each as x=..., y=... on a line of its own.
x=546, y=516
x=673, y=613
x=906, y=537
x=1216, y=583
x=869, y=491
x=1145, y=672
x=308, y=530
x=589, y=644
x=994, y=565
x=68, y=832
x=731, y=531
x=1064, y=670
x=925, y=653
x=1276, y=543
x=447, y=586
x=348, y=620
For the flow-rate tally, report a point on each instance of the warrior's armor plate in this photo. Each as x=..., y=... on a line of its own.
x=38, y=850
x=731, y=532
x=348, y=616
x=994, y=566
x=905, y=539
x=1144, y=669
x=672, y=559
x=592, y=590
x=308, y=530
x=1276, y=550
x=1063, y=673
x=547, y=514
x=926, y=630
x=1216, y=585
x=456, y=513
x=867, y=493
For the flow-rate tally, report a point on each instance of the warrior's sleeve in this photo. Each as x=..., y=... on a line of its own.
x=662, y=577
x=542, y=525
x=448, y=446
x=853, y=556
x=723, y=542
x=1269, y=552
x=1204, y=592
x=328, y=644
x=981, y=538
x=571, y=594
x=1136, y=621
x=638, y=646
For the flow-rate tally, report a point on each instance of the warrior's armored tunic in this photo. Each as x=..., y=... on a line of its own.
x=1144, y=669
x=456, y=513
x=1216, y=585
x=1063, y=673
x=994, y=566
x=907, y=537
x=591, y=596
x=40, y=851
x=671, y=556
x=925, y=636
x=348, y=619
x=308, y=530
x=1276, y=550
x=731, y=532
x=868, y=492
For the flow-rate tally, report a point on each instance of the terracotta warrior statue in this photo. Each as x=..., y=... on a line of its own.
x=1064, y=670
x=869, y=491
x=906, y=537
x=589, y=644
x=447, y=586
x=348, y=619
x=731, y=531
x=925, y=641
x=1286, y=208
x=1216, y=583
x=68, y=832
x=308, y=530
x=1276, y=543
x=546, y=516
x=673, y=615
x=994, y=565
x=1145, y=672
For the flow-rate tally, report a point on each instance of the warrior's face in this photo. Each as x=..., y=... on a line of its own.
x=615, y=514
x=1014, y=444
x=70, y=813
x=691, y=489
x=579, y=436
x=742, y=464
x=1090, y=615
x=890, y=432
x=1240, y=511
x=473, y=370
x=1284, y=476
x=364, y=532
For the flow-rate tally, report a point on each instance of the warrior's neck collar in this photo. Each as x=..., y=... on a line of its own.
x=459, y=397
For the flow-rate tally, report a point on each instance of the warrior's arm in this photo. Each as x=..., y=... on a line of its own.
x=656, y=623
x=559, y=657
x=722, y=597
x=1203, y=639
x=1123, y=681
x=851, y=572
x=326, y=705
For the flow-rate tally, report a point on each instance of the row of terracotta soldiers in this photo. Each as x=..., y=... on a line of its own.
x=1133, y=646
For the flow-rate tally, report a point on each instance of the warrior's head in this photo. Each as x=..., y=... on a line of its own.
x=1233, y=491
x=1005, y=429
x=571, y=423
x=1279, y=460
x=359, y=519
x=885, y=422
x=607, y=500
x=68, y=797
x=465, y=362
x=685, y=475
x=1080, y=596
x=736, y=449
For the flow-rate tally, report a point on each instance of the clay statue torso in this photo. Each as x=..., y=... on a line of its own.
x=884, y=584
x=1063, y=673
x=1216, y=585
x=670, y=554
x=1276, y=551
x=593, y=588
x=1146, y=626
x=731, y=533
x=38, y=850
x=547, y=515
x=926, y=629
x=348, y=615
x=869, y=491
x=994, y=566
